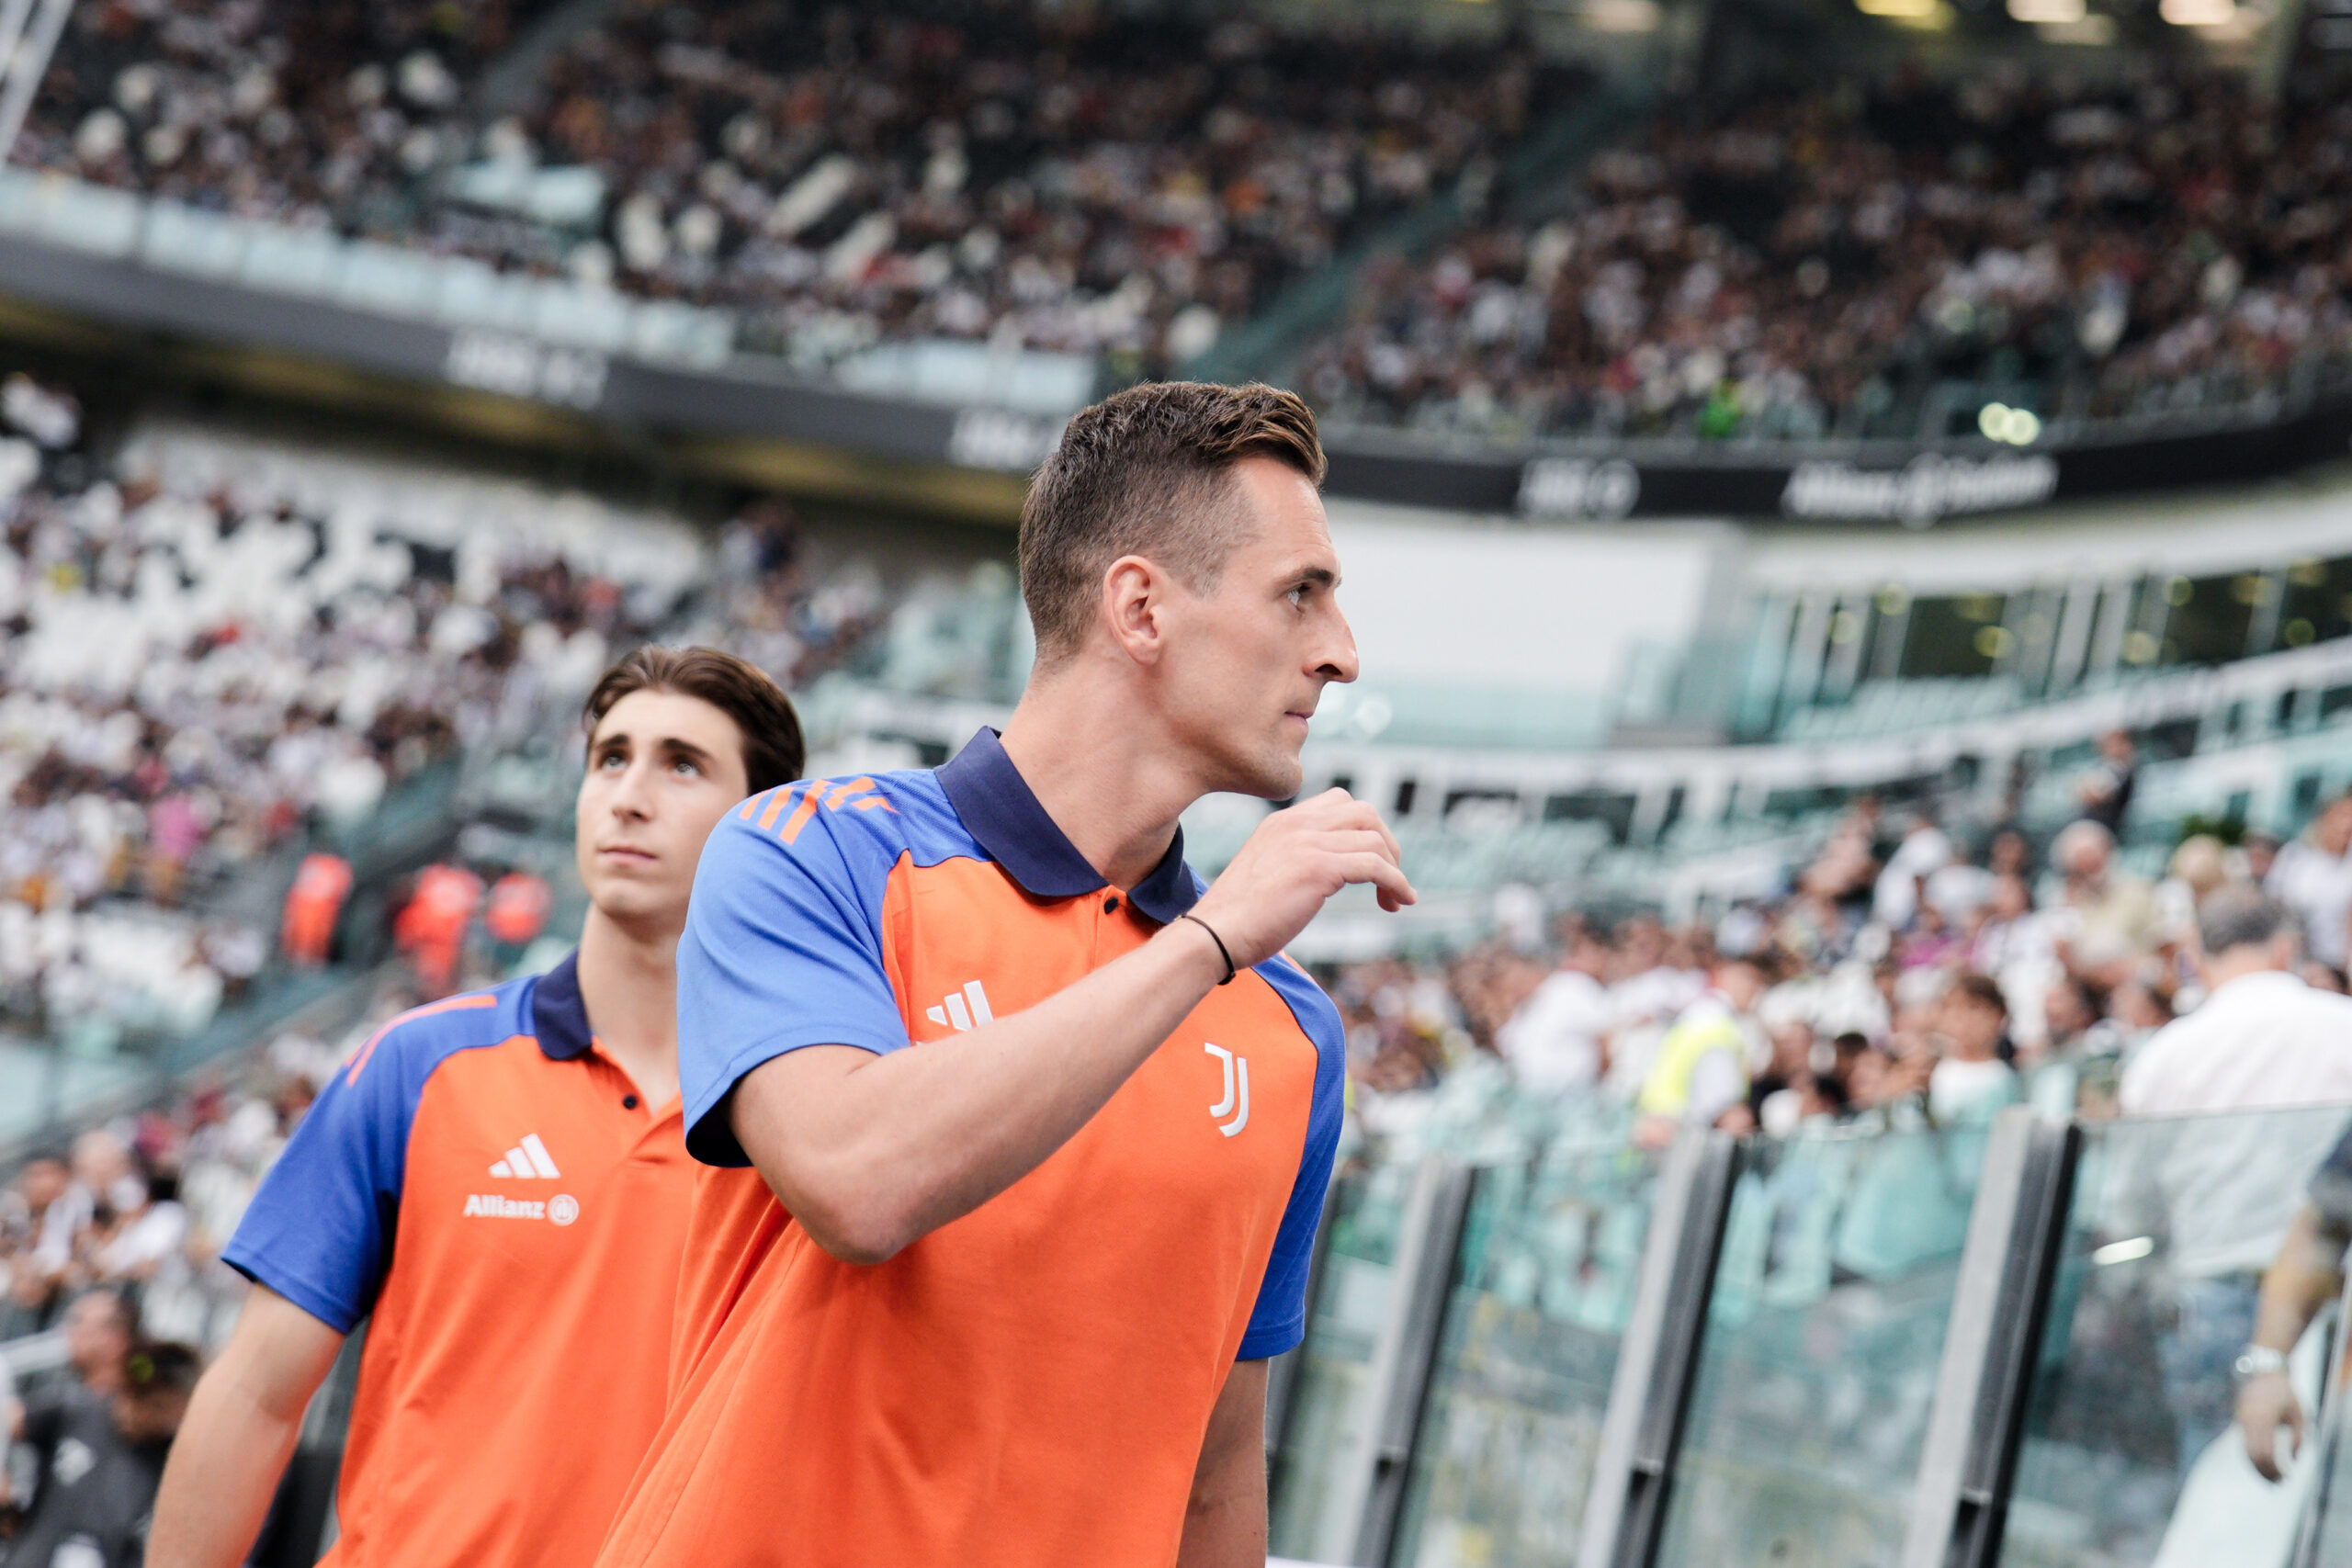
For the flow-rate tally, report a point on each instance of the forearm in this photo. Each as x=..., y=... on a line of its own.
x=872, y=1152
x=2306, y=1275
x=241, y=1426
x=217, y=1486
x=1225, y=1518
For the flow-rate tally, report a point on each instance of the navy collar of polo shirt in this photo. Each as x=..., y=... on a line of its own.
x=1003, y=815
x=558, y=1018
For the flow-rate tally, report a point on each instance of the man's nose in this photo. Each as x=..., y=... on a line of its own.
x=628, y=792
x=1340, y=662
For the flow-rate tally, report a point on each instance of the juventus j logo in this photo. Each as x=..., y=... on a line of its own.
x=953, y=1010
x=1236, y=1102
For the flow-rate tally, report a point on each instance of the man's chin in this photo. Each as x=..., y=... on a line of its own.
x=1275, y=779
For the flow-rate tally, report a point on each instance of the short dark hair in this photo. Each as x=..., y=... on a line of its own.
x=774, y=752
x=1145, y=472
x=162, y=1366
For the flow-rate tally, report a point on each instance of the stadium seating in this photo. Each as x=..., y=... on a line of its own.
x=1792, y=265
x=944, y=170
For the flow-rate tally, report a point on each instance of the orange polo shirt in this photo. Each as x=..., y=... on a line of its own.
x=483, y=1184
x=1027, y=1387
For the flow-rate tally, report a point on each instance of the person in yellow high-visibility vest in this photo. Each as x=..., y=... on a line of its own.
x=1701, y=1071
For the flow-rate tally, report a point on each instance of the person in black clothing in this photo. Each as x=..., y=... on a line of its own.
x=2106, y=792
x=99, y=1460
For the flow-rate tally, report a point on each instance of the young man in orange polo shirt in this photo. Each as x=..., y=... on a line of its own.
x=495, y=1181
x=1023, y=1136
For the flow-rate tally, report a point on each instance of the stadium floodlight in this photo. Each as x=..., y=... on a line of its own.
x=2057, y=13
x=1898, y=10
x=2011, y=427
x=2199, y=12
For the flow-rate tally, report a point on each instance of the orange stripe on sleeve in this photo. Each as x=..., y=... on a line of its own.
x=450, y=1004
x=849, y=791
x=799, y=818
x=776, y=807
x=745, y=815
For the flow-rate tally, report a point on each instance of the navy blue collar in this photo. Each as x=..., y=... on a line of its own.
x=1000, y=810
x=558, y=1018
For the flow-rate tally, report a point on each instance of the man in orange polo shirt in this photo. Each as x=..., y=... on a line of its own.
x=1022, y=1135
x=497, y=1182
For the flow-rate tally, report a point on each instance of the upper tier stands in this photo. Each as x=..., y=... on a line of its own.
x=842, y=177
x=1802, y=263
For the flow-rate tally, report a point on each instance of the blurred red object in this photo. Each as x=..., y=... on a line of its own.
x=313, y=904
x=432, y=928
x=518, y=908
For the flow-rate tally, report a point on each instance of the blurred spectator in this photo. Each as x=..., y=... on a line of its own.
x=2313, y=876
x=99, y=1329
x=1702, y=1066
x=2224, y=1194
x=2105, y=794
x=517, y=913
x=2260, y=1039
x=313, y=905
x=98, y=1460
x=1554, y=1041
x=1970, y=1080
x=2110, y=914
x=431, y=927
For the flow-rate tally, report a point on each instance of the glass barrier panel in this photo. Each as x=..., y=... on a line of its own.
x=2332, y=1447
x=1544, y=1284
x=1330, y=1403
x=1818, y=1362
x=2133, y=1458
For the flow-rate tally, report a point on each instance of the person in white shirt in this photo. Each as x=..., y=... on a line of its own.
x=2313, y=876
x=1971, y=1084
x=2221, y=1192
x=1554, y=1041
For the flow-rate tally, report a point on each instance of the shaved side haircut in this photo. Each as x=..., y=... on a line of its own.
x=1148, y=472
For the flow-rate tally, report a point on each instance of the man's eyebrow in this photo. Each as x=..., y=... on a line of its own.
x=677, y=746
x=1321, y=576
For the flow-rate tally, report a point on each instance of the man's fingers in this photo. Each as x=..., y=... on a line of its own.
x=1380, y=872
x=1358, y=841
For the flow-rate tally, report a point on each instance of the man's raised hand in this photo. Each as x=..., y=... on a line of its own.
x=1295, y=860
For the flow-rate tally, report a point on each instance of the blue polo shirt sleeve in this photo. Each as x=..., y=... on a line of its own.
x=783, y=949
x=1279, y=1320
x=318, y=1231
x=2332, y=1187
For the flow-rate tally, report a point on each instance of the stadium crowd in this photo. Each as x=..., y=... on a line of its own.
x=1904, y=975
x=272, y=110
x=1804, y=263
x=1027, y=175
x=196, y=673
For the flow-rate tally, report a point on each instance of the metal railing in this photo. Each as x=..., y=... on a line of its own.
x=2004, y=1297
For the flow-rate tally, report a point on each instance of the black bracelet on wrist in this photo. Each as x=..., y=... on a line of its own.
x=1229, y=970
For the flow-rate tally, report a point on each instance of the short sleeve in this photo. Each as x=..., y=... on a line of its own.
x=783, y=949
x=2332, y=1187
x=1279, y=1320
x=318, y=1231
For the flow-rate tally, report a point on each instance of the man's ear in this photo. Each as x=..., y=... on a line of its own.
x=1134, y=606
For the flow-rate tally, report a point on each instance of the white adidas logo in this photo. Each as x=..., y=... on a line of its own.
x=527, y=1161
x=953, y=1010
